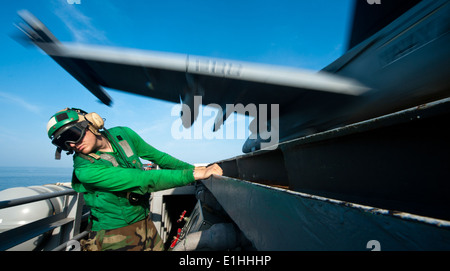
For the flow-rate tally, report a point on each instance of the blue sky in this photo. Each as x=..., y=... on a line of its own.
x=303, y=34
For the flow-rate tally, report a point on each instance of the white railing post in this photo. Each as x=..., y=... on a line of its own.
x=73, y=209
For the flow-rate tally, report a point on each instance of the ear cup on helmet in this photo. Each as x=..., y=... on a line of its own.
x=95, y=120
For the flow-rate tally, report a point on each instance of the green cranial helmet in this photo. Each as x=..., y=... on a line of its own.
x=60, y=119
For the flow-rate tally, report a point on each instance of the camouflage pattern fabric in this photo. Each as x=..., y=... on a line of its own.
x=140, y=236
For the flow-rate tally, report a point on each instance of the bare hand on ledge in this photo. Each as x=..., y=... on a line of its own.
x=201, y=173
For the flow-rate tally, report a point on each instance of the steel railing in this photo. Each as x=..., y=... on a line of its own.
x=68, y=220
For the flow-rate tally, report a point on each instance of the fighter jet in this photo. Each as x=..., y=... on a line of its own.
x=397, y=57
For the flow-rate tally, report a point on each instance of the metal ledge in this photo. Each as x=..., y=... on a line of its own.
x=279, y=219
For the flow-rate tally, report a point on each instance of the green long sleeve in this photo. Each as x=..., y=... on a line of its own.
x=101, y=175
x=148, y=152
x=107, y=178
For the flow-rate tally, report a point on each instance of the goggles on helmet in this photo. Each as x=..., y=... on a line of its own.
x=72, y=133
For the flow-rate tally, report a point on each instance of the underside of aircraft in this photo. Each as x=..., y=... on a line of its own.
x=397, y=57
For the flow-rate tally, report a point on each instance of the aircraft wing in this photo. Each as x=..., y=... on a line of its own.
x=305, y=98
x=168, y=76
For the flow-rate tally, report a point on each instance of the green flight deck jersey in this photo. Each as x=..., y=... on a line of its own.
x=106, y=179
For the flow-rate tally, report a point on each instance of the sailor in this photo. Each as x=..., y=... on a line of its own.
x=108, y=171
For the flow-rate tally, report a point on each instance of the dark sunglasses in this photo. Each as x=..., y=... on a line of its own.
x=70, y=134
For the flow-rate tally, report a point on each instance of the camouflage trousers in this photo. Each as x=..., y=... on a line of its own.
x=140, y=236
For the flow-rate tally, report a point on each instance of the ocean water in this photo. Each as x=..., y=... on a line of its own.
x=28, y=176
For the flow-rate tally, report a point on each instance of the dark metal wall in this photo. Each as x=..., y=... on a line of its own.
x=369, y=19
x=399, y=162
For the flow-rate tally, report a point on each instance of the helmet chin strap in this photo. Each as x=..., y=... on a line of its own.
x=58, y=153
